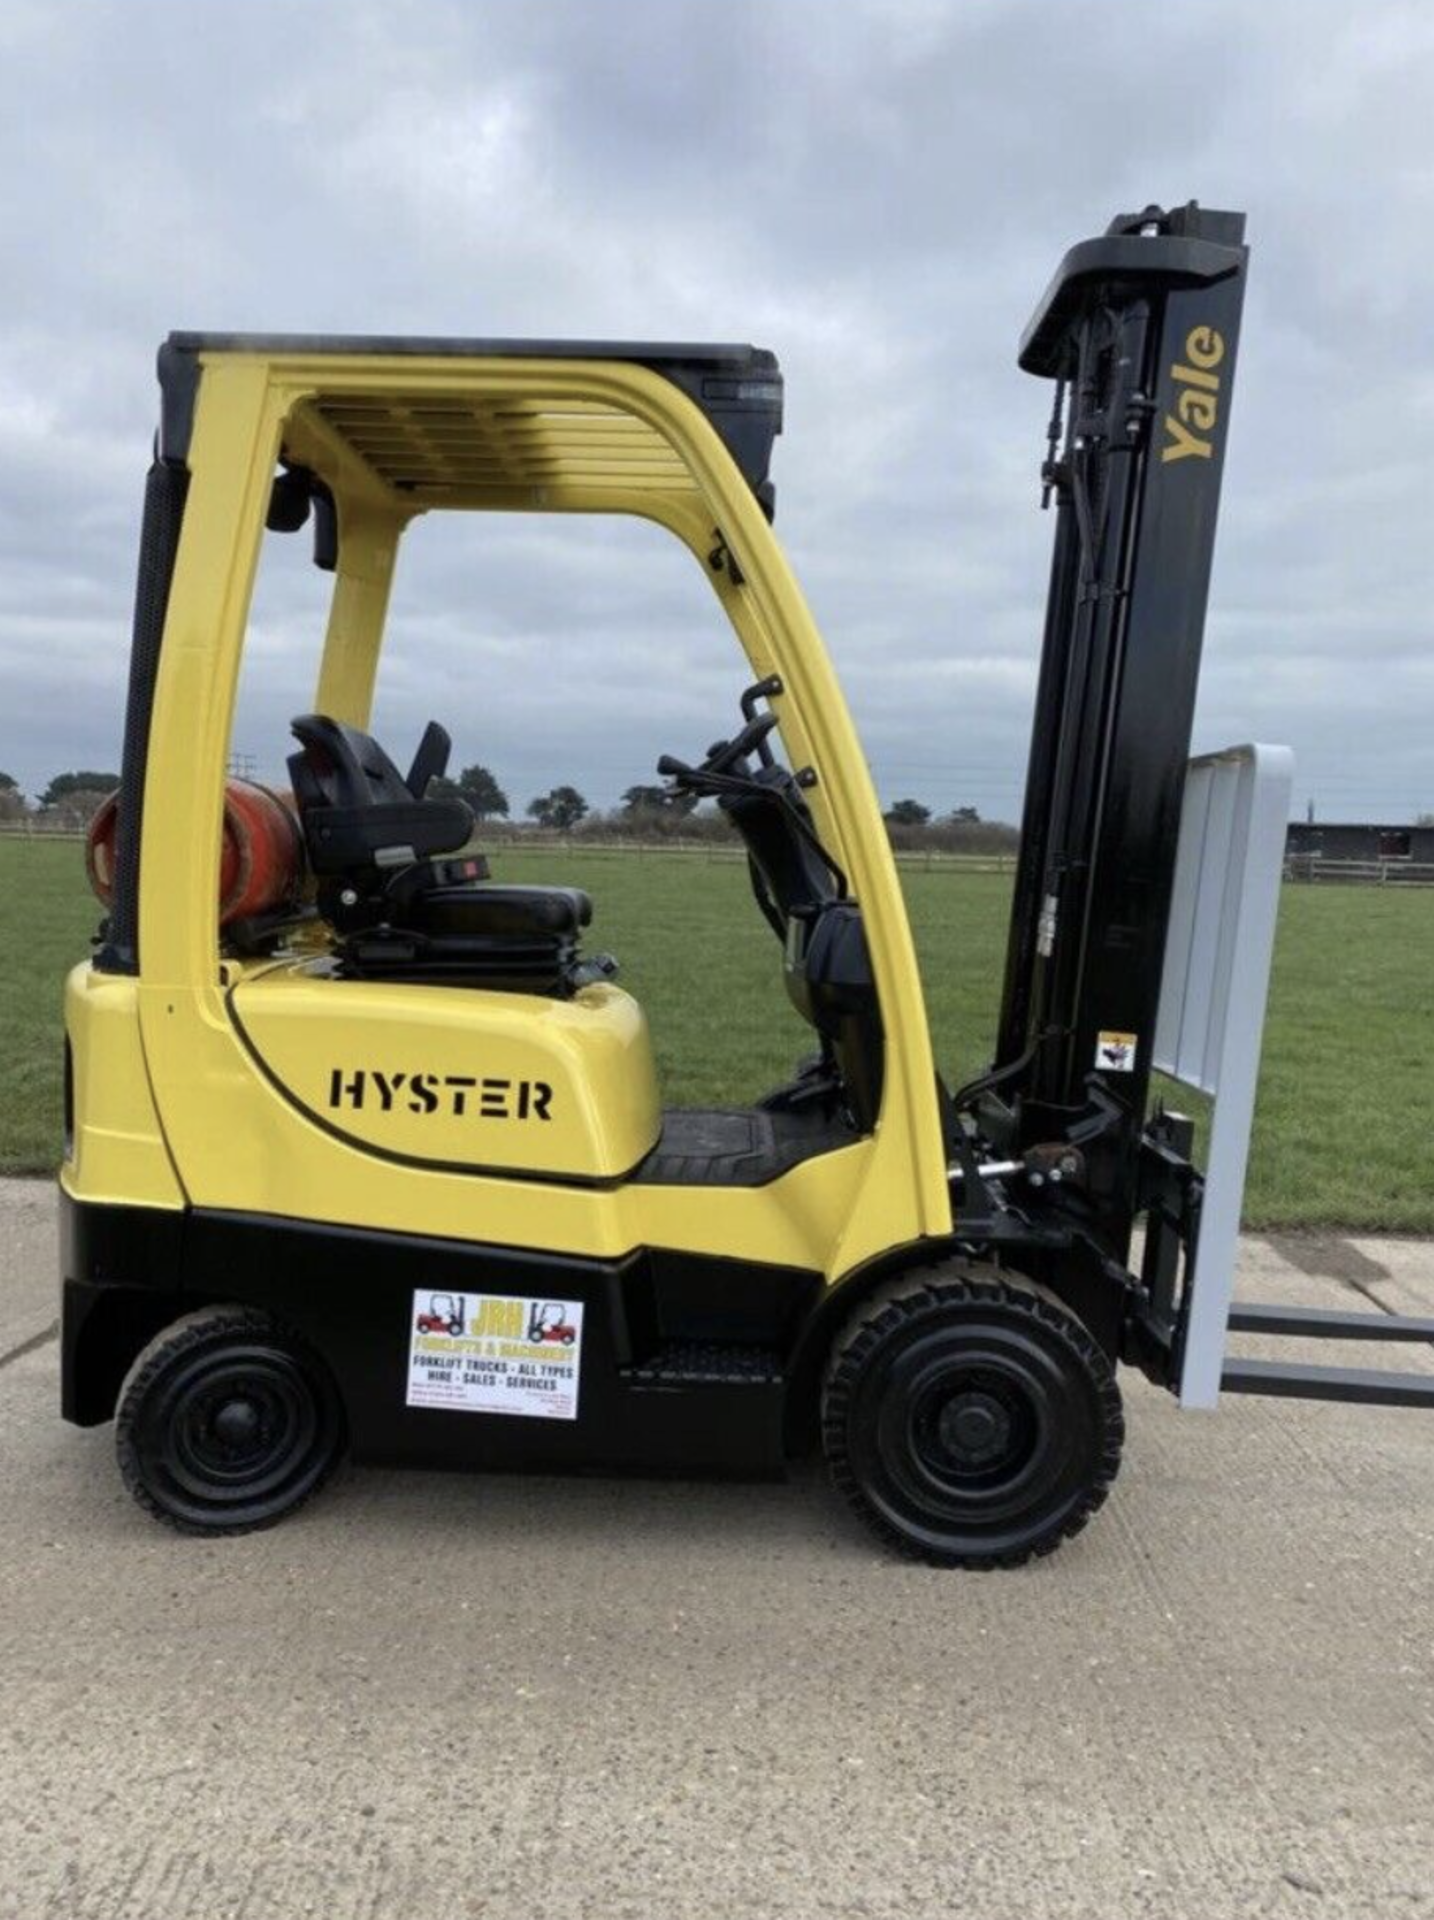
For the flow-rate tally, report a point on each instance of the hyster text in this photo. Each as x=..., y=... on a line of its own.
x=460, y=1094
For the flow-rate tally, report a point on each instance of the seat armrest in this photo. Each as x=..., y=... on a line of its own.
x=345, y=839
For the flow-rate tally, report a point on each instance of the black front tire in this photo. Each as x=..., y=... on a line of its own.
x=226, y=1423
x=971, y=1420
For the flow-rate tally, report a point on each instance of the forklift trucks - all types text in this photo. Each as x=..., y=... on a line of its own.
x=375, y=1157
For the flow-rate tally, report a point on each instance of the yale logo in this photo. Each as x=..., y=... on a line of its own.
x=458, y=1094
x=1190, y=428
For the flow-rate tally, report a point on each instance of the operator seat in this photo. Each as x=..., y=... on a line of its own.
x=401, y=912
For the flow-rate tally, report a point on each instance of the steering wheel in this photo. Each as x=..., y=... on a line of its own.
x=723, y=757
x=791, y=871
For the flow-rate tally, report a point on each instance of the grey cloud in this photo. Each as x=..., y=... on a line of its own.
x=878, y=191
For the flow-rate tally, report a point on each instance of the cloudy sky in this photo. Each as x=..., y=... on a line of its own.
x=877, y=189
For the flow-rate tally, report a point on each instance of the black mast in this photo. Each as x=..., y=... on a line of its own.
x=1140, y=328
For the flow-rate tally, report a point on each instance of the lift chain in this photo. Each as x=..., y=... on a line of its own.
x=1054, y=472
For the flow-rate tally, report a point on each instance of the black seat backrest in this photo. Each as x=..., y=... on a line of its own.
x=341, y=767
x=356, y=808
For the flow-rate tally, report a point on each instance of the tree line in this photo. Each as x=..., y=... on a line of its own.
x=659, y=812
x=652, y=812
x=70, y=800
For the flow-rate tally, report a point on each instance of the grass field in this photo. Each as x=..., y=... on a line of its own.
x=1344, y=1132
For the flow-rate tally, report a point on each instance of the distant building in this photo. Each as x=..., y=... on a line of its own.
x=1342, y=840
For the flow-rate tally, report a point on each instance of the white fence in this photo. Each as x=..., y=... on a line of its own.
x=1313, y=868
x=716, y=852
x=1299, y=869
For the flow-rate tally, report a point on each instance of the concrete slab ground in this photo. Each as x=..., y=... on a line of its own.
x=441, y=1696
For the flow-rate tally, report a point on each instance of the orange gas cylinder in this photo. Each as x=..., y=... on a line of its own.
x=261, y=861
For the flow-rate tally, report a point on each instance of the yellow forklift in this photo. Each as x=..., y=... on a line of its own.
x=377, y=1161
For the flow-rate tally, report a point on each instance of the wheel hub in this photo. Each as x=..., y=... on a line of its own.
x=974, y=1428
x=238, y=1425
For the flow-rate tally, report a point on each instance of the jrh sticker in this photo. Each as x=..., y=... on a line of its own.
x=496, y=1353
x=1115, y=1052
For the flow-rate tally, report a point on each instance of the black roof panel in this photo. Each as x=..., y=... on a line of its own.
x=738, y=387
x=647, y=353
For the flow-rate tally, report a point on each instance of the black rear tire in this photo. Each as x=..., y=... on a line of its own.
x=226, y=1423
x=971, y=1421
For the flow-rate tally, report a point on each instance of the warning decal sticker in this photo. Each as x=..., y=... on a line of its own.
x=1115, y=1052
x=496, y=1353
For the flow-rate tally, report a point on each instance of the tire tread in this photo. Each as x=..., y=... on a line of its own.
x=922, y=1290
x=193, y=1330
